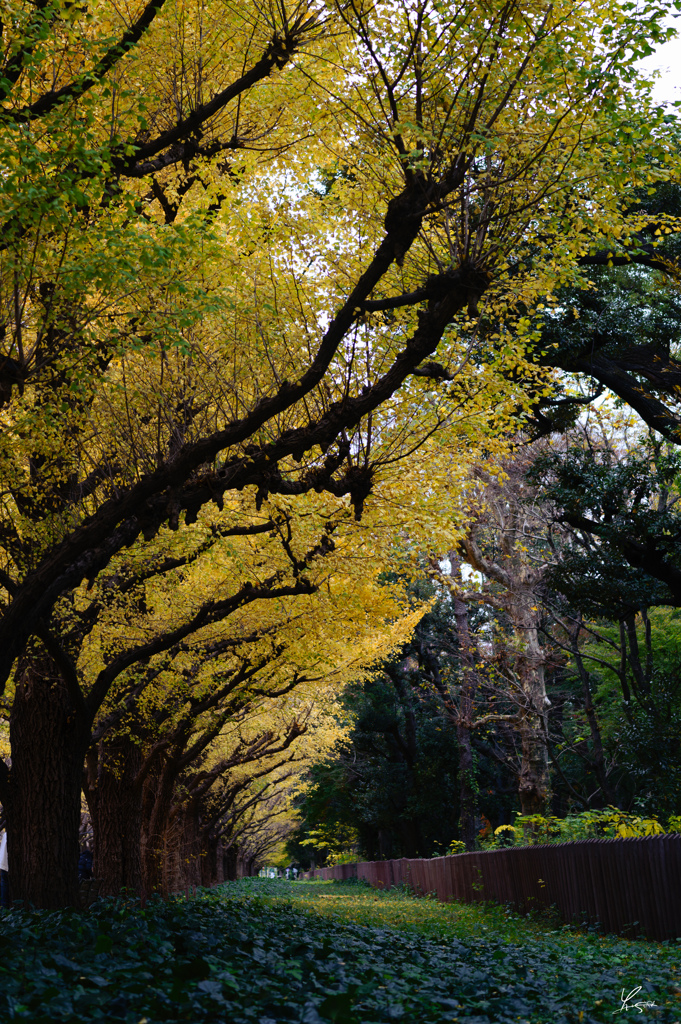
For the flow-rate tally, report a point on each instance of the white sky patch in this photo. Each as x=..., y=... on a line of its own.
x=666, y=60
x=470, y=575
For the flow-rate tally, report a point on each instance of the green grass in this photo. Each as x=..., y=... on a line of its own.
x=274, y=951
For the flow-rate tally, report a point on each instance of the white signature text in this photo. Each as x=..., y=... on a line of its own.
x=628, y=1005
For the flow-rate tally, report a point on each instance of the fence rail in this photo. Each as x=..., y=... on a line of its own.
x=627, y=886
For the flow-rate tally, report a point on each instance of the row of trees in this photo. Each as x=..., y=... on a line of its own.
x=260, y=306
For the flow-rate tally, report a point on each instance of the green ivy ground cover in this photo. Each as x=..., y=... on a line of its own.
x=272, y=951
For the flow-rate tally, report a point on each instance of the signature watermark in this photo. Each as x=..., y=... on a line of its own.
x=627, y=1004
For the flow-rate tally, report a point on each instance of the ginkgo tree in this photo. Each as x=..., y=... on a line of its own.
x=311, y=210
x=186, y=671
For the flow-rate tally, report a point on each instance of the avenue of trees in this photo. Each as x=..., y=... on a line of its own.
x=288, y=293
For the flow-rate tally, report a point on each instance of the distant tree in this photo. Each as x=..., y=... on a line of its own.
x=394, y=780
x=611, y=488
x=393, y=787
x=620, y=334
x=616, y=706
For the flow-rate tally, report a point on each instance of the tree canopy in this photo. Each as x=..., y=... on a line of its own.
x=265, y=275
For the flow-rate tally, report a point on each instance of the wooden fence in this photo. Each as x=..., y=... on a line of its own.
x=628, y=886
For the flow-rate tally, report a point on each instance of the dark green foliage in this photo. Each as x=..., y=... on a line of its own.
x=625, y=312
x=394, y=781
x=650, y=758
x=640, y=737
x=599, y=583
x=622, y=331
x=626, y=552
x=621, y=556
x=235, y=955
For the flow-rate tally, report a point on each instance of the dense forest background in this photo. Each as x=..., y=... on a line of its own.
x=587, y=502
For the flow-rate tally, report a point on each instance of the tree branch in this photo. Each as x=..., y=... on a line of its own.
x=48, y=101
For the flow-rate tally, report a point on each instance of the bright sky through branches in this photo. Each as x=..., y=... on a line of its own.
x=667, y=59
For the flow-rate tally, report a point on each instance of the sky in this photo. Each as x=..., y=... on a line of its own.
x=668, y=60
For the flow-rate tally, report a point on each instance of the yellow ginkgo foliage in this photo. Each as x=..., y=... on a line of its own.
x=275, y=260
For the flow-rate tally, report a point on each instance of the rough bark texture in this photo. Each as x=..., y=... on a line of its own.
x=534, y=788
x=509, y=522
x=184, y=852
x=156, y=838
x=172, y=840
x=49, y=739
x=115, y=803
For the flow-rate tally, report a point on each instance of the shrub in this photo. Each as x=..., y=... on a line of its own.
x=610, y=823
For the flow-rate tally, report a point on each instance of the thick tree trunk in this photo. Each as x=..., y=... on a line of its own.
x=230, y=858
x=189, y=870
x=48, y=740
x=158, y=838
x=248, y=868
x=210, y=858
x=115, y=803
x=512, y=521
x=171, y=840
x=534, y=775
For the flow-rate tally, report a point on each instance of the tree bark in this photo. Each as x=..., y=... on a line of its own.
x=642, y=684
x=210, y=860
x=190, y=849
x=535, y=786
x=115, y=803
x=49, y=739
x=468, y=788
x=157, y=840
x=230, y=859
x=171, y=835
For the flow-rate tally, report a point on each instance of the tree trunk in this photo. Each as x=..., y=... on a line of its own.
x=211, y=859
x=156, y=840
x=190, y=847
x=230, y=858
x=534, y=789
x=642, y=683
x=170, y=836
x=468, y=786
x=115, y=803
x=49, y=739
x=534, y=775
x=594, y=728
